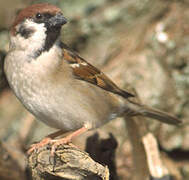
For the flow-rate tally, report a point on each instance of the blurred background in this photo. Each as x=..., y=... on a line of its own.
x=141, y=43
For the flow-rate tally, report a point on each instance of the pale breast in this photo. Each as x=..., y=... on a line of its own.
x=58, y=100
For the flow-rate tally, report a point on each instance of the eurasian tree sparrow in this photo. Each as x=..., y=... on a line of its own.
x=58, y=86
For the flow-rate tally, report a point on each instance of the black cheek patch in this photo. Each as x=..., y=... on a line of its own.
x=25, y=32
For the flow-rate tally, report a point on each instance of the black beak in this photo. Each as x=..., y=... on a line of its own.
x=57, y=20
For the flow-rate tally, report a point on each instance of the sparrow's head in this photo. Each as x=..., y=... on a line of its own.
x=37, y=27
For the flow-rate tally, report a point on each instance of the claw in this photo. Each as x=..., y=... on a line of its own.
x=37, y=146
x=58, y=142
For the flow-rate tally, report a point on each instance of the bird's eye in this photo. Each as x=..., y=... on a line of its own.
x=38, y=16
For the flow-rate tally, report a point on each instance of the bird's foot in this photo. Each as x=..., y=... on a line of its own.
x=57, y=142
x=66, y=139
x=37, y=146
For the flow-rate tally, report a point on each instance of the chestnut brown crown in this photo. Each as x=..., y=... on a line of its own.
x=31, y=11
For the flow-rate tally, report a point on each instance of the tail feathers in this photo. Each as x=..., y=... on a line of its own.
x=154, y=113
x=161, y=116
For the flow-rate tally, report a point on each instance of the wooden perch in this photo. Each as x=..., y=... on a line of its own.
x=68, y=163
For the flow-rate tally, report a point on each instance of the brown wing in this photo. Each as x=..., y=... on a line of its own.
x=84, y=71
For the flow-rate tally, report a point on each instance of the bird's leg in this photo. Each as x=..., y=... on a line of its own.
x=56, y=142
x=67, y=139
x=45, y=141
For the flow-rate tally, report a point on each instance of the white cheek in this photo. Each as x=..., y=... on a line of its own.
x=34, y=42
